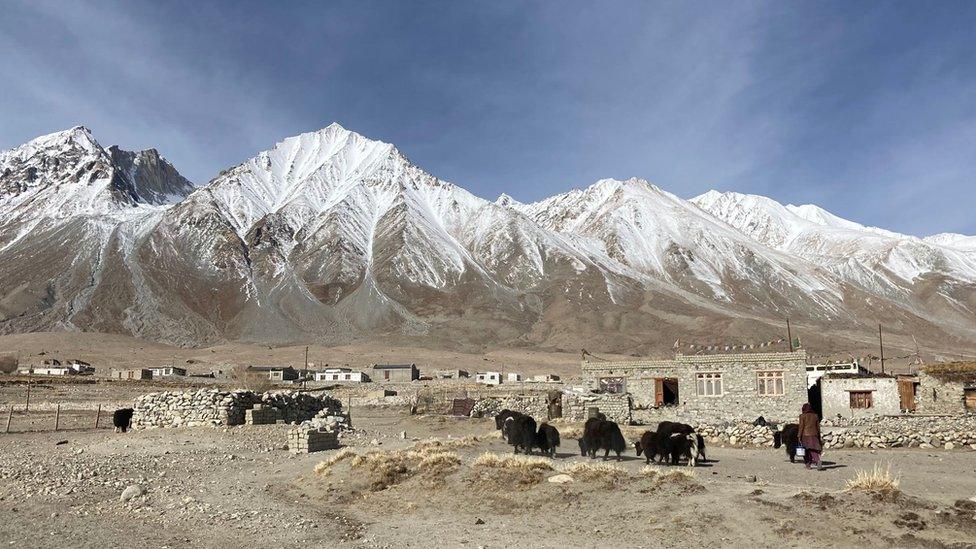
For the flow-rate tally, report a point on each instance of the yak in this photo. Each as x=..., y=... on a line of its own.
x=547, y=439
x=667, y=428
x=519, y=430
x=121, y=419
x=648, y=444
x=682, y=445
x=587, y=427
x=601, y=434
x=790, y=437
x=501, y=418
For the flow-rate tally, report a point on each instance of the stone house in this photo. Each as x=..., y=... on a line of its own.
x=275, y=373
x=854, y=396
x=488, y=378
x=395, y=372
x=131, y=373
x=168, y=371
x=341, y=374
x=513, y=377
x=947, y=389
x=718, y=387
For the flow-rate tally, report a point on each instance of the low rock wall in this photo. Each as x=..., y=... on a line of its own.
x=532, y=405
x=215, y=407
x=617, y=407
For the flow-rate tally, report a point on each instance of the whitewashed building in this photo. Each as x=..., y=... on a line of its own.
x=488, y=378
x=168, y=371
x=341, y=374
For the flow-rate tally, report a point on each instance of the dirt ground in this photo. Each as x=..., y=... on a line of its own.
x=237, y=486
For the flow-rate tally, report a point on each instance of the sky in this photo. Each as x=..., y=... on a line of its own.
x=867, y=109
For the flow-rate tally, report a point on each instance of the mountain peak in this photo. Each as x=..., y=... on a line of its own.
x=506, y=201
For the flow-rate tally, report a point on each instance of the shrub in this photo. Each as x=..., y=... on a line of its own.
x=877, y=480
x=325, y=467
x=582, y=470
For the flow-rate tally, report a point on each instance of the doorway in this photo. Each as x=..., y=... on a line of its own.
x=815, y=398
x=969, y=399
x=906, y=394
x=665, y=391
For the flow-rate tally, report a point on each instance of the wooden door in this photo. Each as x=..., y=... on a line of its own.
x=906, y=394
x=658, y=392
x=969, y=399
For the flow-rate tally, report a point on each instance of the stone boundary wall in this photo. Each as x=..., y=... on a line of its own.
x=532, y=405
x=216, y=407
x=617, y=407
x=873, y=433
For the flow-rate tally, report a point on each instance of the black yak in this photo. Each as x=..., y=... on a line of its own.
x=519, y=430
x=681, y=445
x=667, y=428
x=648, y=445
x=789, y=436
x=501, y=418
x=600, y=434
x=547, y=439
x=122, y=418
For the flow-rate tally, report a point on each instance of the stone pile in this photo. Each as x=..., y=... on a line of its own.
x=329, y=419
x=304, y=440
x=217, y=407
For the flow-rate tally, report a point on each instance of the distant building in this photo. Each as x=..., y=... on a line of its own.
x=168, y=371
x=276, y=373
x=545, y=378
x=131, y=373
x=395, y=372
x=488, y=378
x=54, y=367
x=452, y=374
x=341, y=374
x=816, y=371
x=513, y=377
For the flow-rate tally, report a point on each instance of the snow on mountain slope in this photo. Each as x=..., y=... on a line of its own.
x=332, y=235
x=953, y=240
x=867, y=256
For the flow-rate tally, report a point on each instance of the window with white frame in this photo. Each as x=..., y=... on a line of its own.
x=770, y=383
x=710, y=384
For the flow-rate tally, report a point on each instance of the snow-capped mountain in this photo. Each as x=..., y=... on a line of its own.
x=329, y=236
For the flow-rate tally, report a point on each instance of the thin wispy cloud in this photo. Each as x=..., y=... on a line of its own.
x=866, y=109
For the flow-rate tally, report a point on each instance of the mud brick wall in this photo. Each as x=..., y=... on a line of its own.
x=935, y=396
x=304, y=441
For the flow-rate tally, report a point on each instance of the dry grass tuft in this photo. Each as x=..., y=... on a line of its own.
x=675, y=475
x=434, y=445
x=878, y=480
x=650, y=471
x=501, y=470
x=385, y=469
x=325, y=467
x=586, y=471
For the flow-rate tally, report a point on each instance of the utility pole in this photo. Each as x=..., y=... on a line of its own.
x=789, y=334
x=306, y=367
x=881, y=345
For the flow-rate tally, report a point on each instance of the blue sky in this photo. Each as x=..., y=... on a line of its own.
x=865, y=108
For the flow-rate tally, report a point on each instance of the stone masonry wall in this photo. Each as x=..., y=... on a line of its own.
x=937, y=397
x=216, y=407
x=616, y=407
x=740, y=397
x=837, y=400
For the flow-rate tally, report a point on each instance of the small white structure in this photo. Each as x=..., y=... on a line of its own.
x=817, y=371
x=341, y=374
x=512, y=376
x=56, y=368
x=488, y=378
x=167, y=371
x=545, y=378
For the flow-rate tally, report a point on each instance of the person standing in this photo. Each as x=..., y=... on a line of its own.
x=809, y=435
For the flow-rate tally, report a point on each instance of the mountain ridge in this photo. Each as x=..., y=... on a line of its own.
x=332, y=235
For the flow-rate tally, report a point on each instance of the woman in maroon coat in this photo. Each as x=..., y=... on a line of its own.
x=809, y=435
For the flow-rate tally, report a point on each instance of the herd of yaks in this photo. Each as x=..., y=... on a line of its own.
x=670, y=443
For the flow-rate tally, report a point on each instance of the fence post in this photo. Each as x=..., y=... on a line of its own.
x=10, y=413
x=57, y=416
x=98, y=412
x=27, y=406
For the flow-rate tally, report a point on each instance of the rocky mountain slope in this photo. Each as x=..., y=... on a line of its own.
x=330, y=236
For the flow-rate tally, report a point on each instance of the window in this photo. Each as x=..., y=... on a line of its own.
x=770, y=383
x=710, y=384
x=861, y=399
x=612, y=384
